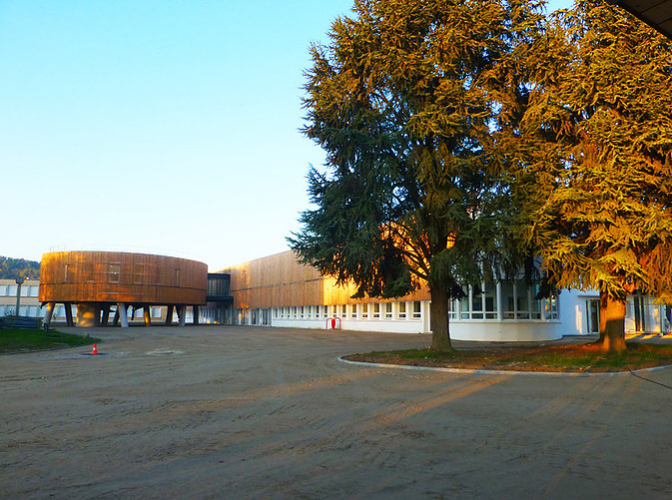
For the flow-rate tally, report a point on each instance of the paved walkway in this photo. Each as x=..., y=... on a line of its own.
x=242, y=412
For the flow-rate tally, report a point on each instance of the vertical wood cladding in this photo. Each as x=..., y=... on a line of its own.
x=121, y=277
x=280, y=280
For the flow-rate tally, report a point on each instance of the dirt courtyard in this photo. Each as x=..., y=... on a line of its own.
x=263, y=413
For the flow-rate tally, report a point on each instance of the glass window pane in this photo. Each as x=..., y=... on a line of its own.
x=522, y=303
x=507, y=300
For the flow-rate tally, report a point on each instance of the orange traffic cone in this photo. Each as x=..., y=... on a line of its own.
x=95, y=349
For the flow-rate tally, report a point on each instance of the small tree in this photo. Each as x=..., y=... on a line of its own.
x=595, y=187
x=404, y=101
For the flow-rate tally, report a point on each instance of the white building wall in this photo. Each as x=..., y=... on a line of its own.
x=505, y=331
x=574, y=317
x=404, y=318
x=573, y=312
x=29, y=305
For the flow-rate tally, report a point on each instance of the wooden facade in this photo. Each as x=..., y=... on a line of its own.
x=99, y=283
x=113, y=277
x=280, y=281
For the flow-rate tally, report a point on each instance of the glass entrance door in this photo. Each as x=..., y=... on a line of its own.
x=593, y=315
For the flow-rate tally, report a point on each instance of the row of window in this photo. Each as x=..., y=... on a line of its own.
x=26, y=290
x=512, y=300
x=505, y=301
x=388, y=310
x=141, y=274
x=32, y=311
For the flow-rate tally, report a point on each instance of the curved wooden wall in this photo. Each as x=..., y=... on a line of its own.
x=112, y=277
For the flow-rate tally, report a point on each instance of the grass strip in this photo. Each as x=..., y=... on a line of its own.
x=558, y=358
x=19, y=340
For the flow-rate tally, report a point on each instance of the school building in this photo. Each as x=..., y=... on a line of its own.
x=278, y=291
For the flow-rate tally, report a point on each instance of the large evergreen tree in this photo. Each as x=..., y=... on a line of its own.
x=595, y=188
x=404, y=101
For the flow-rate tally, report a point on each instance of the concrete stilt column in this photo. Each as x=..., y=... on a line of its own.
x=115, y=321
x=50, y=312
x=106, y=314
x=182, y=313
x=148, y=317
x=169, y=315
x=121, y=310
x=195, y=315
x=68, y=314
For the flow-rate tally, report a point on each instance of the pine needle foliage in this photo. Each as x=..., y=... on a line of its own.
x=595, y=186
x=404, y=100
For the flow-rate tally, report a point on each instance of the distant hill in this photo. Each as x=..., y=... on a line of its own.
x=11, y=268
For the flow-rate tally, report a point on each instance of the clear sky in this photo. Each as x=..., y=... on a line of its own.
x=167, y=126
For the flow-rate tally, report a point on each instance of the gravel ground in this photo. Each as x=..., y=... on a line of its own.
x=263, y=413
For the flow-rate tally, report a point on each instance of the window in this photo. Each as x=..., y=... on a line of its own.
x=365, y=311
x=551, y=305
x=139, y=274
x=522, y=301
x=464, y=308
x=302, y=311
x=476, y=302
x=344, y=311
x=354, y=311
x=535, y=304
x=114, y=272
x=402, y=310
x=417, y=309
x=376, y=310
x=507, y=300
x=388, y=310
x=33, y=291
x=453, y=306
x=490, y=294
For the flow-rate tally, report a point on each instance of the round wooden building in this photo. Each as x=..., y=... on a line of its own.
x=100, y=283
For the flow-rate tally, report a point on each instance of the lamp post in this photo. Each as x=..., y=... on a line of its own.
x=19, y=282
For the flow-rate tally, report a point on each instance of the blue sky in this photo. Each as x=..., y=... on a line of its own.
x=164, y=126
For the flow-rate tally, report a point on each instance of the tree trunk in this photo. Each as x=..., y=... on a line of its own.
x=439, y=322
x=603, y=315
x=614, y=332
